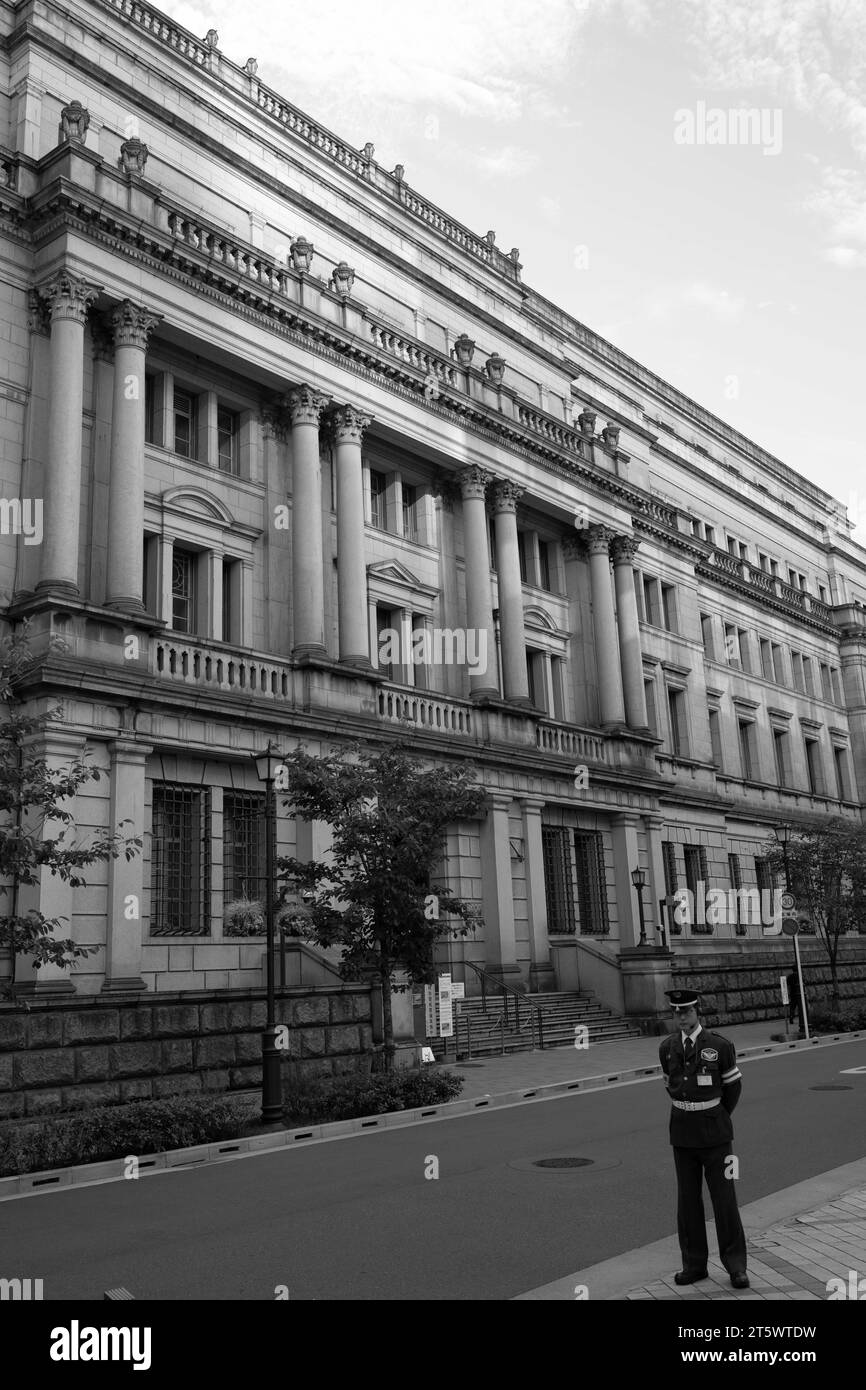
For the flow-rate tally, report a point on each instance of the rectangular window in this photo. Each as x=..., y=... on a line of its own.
x=813, y=766
x=763, y=876
x=184, y=423
x=420, y=647
x=558, y=886
x=669, y=861
x=744, y=645
x=697, y=528
x=767, y=660
x=649, y=687
x=231, y=629
x=744, y=551
x=535, y=677
x=184, y=574
x=711, y=535
x=732, y=545
x=410, y=512
x=557, y=665
x=825, y=682
x=778, y=664
x=228, y=453
x=764, y=561
x=716, y=738
x=837, y=686
x=389, y=640
x=521, y=555
x=378, y=492
x=707, y=636
x=150, y=408
x=243, y=846
x=840, y=763
x=544, y=565
x=732, y=645
x=652, y=601
x=679, y=731
x=780, y=754
x=736, y=883
x=180, y=861
x=696, y=873
x=774, y=568
x=797, y=668
x=808, y=676
x=669, y=610
x=591, y=883
x=746, y=730
x=638, y=593
x=822, y=593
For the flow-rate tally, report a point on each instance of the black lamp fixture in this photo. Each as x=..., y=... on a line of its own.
x=267, y=764
x=783, y=835
x=638, y=878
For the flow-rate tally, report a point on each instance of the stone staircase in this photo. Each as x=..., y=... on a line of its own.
x=512, y=1024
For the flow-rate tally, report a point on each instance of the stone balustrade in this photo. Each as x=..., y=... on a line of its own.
x=200, y=665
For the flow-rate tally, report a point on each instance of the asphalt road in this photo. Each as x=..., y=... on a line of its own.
x=357, y=1219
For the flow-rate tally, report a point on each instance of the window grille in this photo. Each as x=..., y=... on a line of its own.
x=180, y=864
x=243, y=846
x=591, y=883
x=410, y=512
x=559, y=889
x=378, y=490
x=227, y=441
x=184, y=423
x=183, y=591
x=669, y=860
x=696, y=873
x=737, y=883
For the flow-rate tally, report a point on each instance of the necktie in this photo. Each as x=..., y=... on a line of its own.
x=689, y=1050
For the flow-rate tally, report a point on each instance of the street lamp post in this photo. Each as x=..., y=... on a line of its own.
x=266, y=767
x=638, y=878
x=783, y=835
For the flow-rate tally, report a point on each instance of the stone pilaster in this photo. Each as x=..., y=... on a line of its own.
x=348, y=426
x=625, y=858
x=499, y=934
x=68, y=298
x=123, y=586
x=479, y=603
x=623, y=549
x=125, y=876
x=305, y=406
x=611, y=705
x=542, y=975
x=515, y=679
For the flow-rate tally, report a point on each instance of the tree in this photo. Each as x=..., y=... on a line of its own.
x=374, y=895
x=827, y=873
x=31, y=797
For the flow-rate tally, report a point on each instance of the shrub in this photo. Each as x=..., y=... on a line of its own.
x=837, y=1018
x=376, y=1095
x=114, y=1131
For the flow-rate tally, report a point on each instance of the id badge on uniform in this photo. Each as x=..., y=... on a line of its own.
x=704, y=1079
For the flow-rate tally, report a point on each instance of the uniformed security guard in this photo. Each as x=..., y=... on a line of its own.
x=704, y=1084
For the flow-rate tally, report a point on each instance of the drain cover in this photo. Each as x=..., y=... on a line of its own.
x=830, y=1086
x=563, y=1162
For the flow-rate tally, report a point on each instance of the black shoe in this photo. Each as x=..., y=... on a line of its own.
x=690, y=1276
x=740, y=1280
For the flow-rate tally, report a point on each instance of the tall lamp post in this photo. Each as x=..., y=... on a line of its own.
x=783, y=834
x=267, y=764
x=638, y=878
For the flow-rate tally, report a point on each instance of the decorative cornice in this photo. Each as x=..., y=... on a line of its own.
x=133, y=325
x=69, y=296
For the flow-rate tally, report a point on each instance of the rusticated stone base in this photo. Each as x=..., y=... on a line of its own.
x=744, y=988
x=57, y=1056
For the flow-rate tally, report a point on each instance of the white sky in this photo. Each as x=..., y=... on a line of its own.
x=735, y=274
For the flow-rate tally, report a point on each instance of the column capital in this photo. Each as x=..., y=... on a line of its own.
x=446, y=487
x=275, y=422
x=506, y=495
x=39, y=314
x=133, y=325
x=348, y=425
x=598, y=539
x=473, y=481
x=305, y=405
x=69, y=296
x=574, y=547
x=102, y=337
x=623, y=549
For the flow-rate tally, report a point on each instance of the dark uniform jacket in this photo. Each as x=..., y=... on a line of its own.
x=712, y=1074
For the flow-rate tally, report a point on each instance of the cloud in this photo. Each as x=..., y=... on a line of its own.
x=839, y=203
x=665, y=304
x=510, y=161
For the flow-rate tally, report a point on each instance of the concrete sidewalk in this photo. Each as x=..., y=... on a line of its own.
x=799, y=1239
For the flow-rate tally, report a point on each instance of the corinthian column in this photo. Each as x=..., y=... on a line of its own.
x=479, y=605
x=348, y=425
x=68, y=298
x=623, y=551
x=132, y=328
x=308, y=594
x=598, y=539
x=515, y=678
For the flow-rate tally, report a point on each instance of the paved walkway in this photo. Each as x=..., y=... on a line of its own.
x=799, y=1239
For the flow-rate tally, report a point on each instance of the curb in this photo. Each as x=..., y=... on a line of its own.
x=31, y=1184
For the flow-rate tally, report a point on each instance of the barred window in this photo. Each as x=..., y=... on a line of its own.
x=737, y=883
x=696, y=873
x=243, y=845
x=669, y=859
x=180, y=864
x=559, y=889
x=591, y=882
x=763, y=876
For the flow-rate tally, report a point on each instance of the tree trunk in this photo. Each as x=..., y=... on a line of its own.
x=387, y=1022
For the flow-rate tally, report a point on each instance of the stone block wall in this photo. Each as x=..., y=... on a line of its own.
x=745, y=988
x=58, y=1057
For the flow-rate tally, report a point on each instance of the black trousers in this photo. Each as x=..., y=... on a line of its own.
x=691, y=1165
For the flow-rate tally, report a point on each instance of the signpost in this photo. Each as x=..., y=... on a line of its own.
x=446, y=1011
x=794, y=919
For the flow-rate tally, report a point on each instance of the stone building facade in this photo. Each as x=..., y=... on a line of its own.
x=290, y=453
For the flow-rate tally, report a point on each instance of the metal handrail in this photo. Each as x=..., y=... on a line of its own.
x=510, y=992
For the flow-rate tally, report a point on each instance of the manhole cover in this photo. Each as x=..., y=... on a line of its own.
x=830, y=1086
x=563, y=1162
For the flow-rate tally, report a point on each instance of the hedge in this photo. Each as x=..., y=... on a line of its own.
x=376, y=1095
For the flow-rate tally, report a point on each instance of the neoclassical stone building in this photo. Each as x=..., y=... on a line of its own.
x=289, y=453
